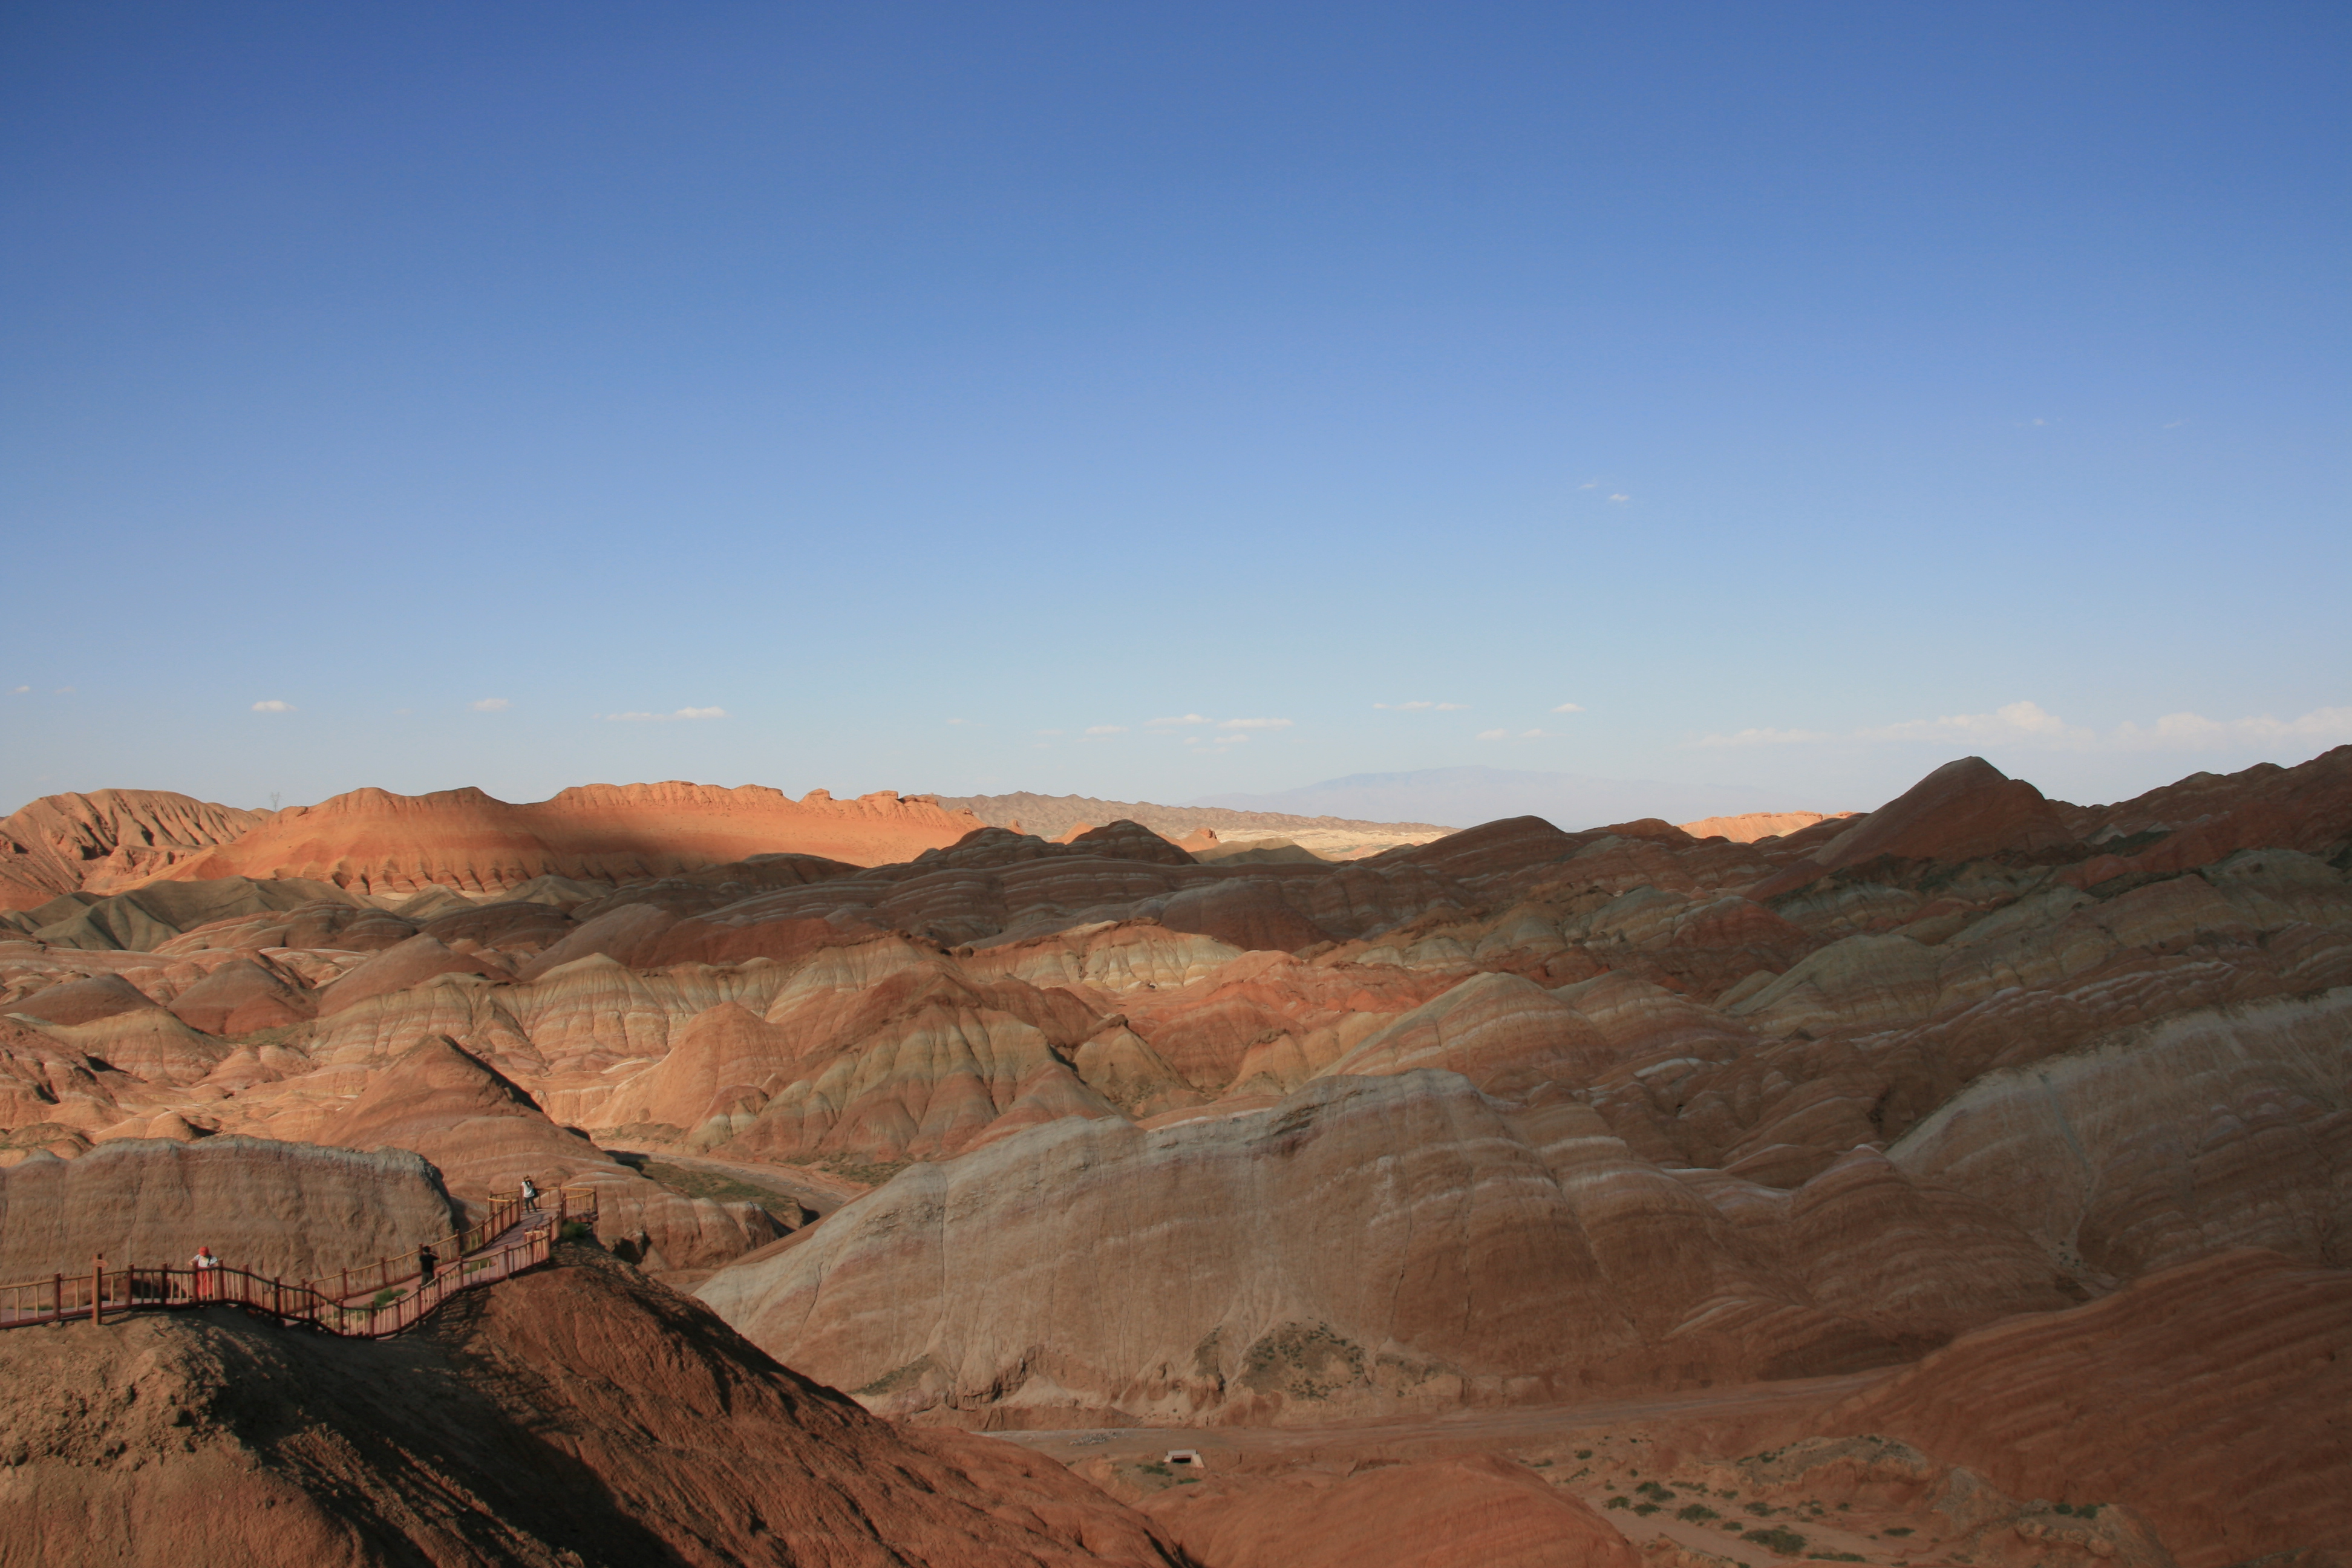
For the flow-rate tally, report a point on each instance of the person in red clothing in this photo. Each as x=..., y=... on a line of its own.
x=203, y=1264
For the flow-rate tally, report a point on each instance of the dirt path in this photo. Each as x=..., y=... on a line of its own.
x=818, y=1191
x=1602, y=1450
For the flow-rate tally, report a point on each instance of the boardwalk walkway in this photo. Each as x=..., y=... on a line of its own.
x=370, y=1301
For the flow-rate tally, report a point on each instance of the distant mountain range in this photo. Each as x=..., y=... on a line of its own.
x=1466, y=796
x=1051, y=815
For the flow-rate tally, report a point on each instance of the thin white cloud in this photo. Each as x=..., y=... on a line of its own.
x=2018, y=720
x=1422, y=707
x=18, y=690
x=1621, y=497
x=1569, y=707
x=2176, y=425
x=1255, y=724
x=1106, y=728
x=2029, y=724
x=954, y=722
x=492, y=705
x=273, y=706
x=663, y=717
x=1494, y=734
x=1049, y=731
x=1186, y=719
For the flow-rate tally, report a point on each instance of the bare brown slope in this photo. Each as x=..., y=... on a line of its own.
x=2216, y=1398
x=107, y=840
x=1476, y=1512
x=582, y=1415
x=374, y=841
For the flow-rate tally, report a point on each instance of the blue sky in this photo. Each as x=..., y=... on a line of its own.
x=1134, y=400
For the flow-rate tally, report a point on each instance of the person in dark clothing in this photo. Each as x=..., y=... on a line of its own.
x=425, y=1262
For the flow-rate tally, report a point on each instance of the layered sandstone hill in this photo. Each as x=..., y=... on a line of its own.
x=102, y=842
x=578, y=1416
x=1367, y=1243
x=1504, y=1115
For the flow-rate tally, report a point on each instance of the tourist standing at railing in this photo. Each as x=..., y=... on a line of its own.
x=203, y=1266
x=425, y=1264
x=529, y=1196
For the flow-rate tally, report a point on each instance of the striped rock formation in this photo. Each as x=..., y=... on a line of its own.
x=1821, y=1099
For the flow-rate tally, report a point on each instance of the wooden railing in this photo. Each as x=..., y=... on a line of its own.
x=507, y=1211
x=369, y=1302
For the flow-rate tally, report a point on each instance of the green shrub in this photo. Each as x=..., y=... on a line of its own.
x=1618, y=1502
x=1652, y=1490
x=1584, y=1453
x=1779, y=1539
x=1899, y=1530
x=1645, y=1509
x=1698, y=1511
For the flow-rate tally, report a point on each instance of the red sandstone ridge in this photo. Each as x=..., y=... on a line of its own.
x=374, y=841
x=107, y=841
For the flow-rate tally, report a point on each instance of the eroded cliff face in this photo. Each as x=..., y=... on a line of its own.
x=293, y=1210
x=1510, y=1113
